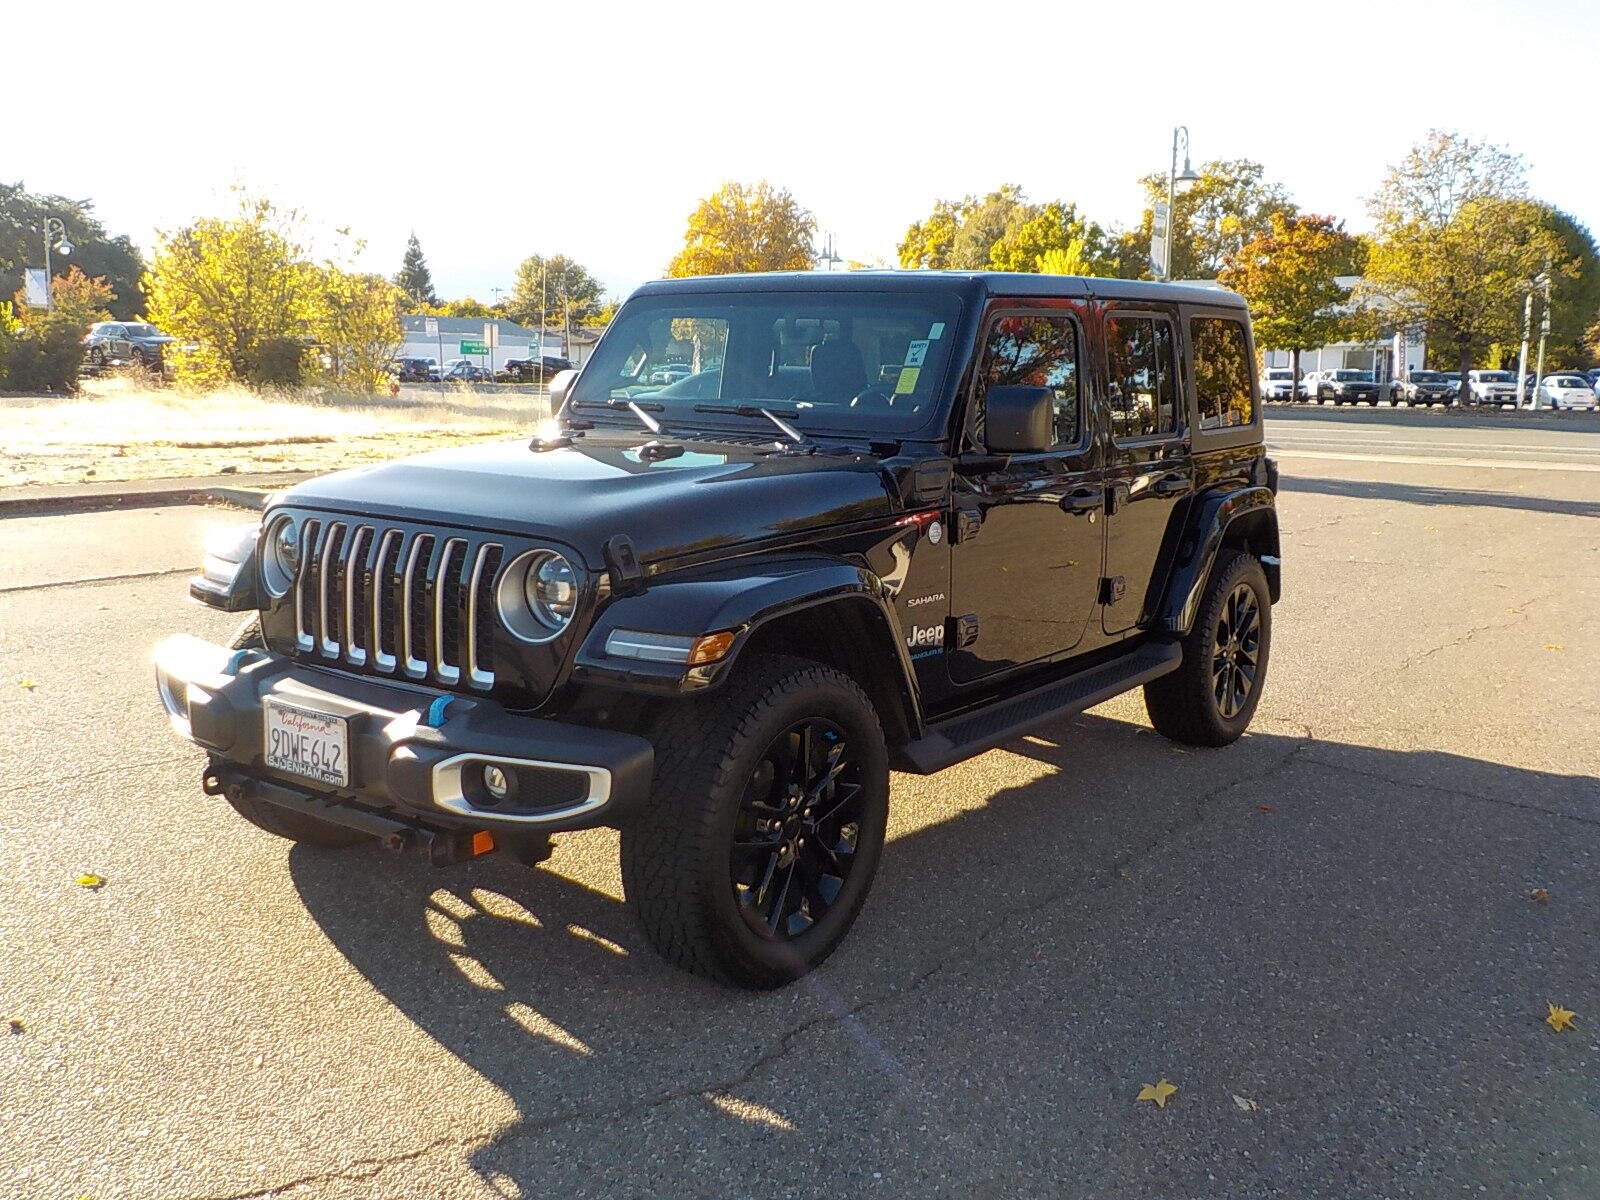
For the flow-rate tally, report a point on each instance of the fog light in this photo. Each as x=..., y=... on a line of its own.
x=495, y=782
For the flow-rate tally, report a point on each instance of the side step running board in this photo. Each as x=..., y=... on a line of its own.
x=948, y=742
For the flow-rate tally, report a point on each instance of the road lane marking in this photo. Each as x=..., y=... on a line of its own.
x=1492, y=464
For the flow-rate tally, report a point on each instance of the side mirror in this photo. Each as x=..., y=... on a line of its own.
x=560, y=384
x=1019, y=420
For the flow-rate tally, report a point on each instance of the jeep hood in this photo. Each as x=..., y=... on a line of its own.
x=714, y=495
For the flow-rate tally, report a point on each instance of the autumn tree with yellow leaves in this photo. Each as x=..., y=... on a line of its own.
x=746, y=227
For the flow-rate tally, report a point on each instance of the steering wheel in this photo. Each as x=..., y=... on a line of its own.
x=873, y=397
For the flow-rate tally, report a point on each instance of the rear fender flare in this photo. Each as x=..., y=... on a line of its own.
x=1248, y=515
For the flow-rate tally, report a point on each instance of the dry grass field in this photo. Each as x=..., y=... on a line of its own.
x=119, y=429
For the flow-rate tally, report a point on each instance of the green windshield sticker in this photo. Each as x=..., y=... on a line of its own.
x=908, y=381
x=915, y=353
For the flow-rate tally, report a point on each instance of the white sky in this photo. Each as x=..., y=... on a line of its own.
x=496, y=130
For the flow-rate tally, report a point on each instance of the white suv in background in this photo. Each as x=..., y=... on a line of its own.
x=1491, y=387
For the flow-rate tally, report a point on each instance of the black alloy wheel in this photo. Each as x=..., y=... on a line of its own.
x=1236, y=652
x=797, y=829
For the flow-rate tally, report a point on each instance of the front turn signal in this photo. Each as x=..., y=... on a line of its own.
x=710, y=648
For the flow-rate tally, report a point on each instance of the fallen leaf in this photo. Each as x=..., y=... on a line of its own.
x=261, y=1060
x=16, y=1025
x=30, y=684
x=1553, y=646
x=1266, y=808
x=1159, y=1093
x=91, y=881
x=1430, y=528
x=1539, y=896
x=1560, y=1018
x=1244, y=1104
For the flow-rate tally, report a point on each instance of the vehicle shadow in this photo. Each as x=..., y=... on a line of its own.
x=544, y=986
x=1415, y=493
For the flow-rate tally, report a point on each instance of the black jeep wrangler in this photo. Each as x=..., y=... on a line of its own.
x=886, y=521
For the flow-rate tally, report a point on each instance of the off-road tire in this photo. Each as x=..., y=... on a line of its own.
x=675, y=852
x=1182, y=704
x=297, y=827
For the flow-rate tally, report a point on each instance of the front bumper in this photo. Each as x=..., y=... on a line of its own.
x=413, y=753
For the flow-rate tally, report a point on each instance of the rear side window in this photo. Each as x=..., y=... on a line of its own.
x=1035, y=350
x=1222, y=387
x=1143, y=377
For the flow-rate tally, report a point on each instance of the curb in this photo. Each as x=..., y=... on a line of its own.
x=243, y=491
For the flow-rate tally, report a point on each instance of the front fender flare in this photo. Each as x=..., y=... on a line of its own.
x=738, y=596
x=1207, y=531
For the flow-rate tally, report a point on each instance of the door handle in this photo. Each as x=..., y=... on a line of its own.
x=1171, y=485
x=1084, y=500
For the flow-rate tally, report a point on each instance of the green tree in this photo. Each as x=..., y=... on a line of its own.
x=467, y=306
x=1054, y=231
x=746, y=227
x=239, y=290
x=1002, y=231
x=94, y=252
x=357, y=322
x=1230, y=205
x=1574, y=292
x=1288, y=277
x=414, y=278
x=1456, y=246
x=554, y=289
x=46, y=352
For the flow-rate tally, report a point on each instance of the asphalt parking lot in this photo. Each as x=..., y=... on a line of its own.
x=1324, y=936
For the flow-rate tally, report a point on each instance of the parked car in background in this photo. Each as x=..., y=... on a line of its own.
x=1491, y=387
x=1278, y=384
x=415, y=370
x=534, y=370
x=464, y=370
x=1347, y=386
x=1426, y=387
x=1566, y=391
x=125, y=343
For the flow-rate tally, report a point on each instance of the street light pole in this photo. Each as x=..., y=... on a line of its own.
x=55, y=236
x=1522, y=355
x=1544, y=332
x=1180, y=136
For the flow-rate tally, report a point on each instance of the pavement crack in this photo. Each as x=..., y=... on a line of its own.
x=66, y=583
x=1519, y=611
x=1463, y=793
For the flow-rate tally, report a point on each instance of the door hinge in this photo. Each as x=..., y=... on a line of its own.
x=966, y=631
x=1112, y=589
x=968, y=522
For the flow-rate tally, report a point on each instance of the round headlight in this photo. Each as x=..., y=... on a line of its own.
x=538, y=595
x=281, y=555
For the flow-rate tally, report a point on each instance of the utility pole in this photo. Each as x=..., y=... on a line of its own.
x=544, y=278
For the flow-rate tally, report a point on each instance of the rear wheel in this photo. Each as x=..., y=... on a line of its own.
x=765, y=825
x=1210, y=699
x=297, y=827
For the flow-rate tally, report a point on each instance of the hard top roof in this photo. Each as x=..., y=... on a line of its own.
x=986, y=283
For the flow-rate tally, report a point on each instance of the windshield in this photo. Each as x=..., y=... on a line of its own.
x=1277, y=373
x=1568, y=381
x=825, y=361
x=1496, y=377
x=143, y=331
x=1353, y=376
x=1425, y=377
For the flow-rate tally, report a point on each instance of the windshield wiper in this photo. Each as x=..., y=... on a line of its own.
x=642, y=411
x=755, y=410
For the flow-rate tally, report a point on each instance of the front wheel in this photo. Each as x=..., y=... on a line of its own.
x=765, y=825
x=1210, y=698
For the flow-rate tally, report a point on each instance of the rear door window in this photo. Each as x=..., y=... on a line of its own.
x=1142, y=376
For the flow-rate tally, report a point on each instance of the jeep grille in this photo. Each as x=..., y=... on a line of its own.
x=397, y=601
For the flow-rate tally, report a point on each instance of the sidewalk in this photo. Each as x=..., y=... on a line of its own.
x=246, y=491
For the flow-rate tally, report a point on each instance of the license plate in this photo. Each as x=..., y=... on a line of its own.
x=299, y=741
